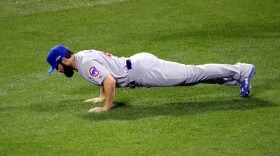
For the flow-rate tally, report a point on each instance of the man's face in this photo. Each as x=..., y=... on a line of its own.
x=67, y=70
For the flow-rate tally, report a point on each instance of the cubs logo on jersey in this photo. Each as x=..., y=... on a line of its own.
x=93, y=71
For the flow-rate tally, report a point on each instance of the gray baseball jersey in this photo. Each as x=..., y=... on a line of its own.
x=95, y=65
x=150, y=71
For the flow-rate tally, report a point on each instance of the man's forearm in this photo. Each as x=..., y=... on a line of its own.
x=110, y=94
x=102, y=93
x=109, y=91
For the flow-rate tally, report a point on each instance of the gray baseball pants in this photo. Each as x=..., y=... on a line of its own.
x=150, y=71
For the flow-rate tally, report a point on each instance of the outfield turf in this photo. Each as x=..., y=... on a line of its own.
x=43, y=114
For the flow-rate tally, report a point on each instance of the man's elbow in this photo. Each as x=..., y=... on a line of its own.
x=110, y=81
x=113, y=83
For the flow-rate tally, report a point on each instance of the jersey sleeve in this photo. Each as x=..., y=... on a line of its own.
x=95, y=72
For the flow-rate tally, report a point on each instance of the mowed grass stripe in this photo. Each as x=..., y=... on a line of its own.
x=19, y=8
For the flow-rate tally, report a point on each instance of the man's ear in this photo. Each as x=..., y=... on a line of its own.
x=65, y=61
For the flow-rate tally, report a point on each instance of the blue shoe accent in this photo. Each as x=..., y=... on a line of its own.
x=245, y=85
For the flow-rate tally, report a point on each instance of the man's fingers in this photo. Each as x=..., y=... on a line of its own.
x=96, y=110
x=88, y=100
x=91, y=100
x=91, y=110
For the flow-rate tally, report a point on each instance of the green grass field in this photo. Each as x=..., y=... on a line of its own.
x=43, y=114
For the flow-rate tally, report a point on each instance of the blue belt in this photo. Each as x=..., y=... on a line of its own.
x=131, y=84
x=128, y=64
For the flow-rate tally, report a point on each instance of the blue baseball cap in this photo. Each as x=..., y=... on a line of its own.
x=55, y=56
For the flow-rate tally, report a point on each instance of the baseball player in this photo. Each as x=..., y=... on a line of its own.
x=142, y=70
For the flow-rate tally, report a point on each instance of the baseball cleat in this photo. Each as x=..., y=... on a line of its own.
x=245, y=85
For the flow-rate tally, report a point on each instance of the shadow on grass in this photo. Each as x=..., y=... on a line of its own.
x=124, y=111
x=128, y=111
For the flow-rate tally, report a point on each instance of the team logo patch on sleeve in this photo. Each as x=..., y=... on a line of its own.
x=93, y=71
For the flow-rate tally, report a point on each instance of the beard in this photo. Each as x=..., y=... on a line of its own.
x=68, y=71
